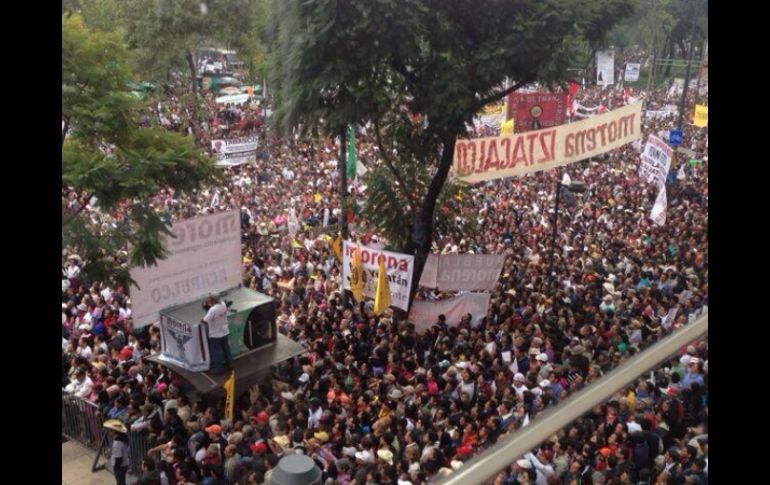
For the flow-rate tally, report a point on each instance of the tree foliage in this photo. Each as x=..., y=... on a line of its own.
x=657, y=23
x=418, y=70
x=167, y=34
x=110, y=161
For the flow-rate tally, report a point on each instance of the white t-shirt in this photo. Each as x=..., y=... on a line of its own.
x=217, y=320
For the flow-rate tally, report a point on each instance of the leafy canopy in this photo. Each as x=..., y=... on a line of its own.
x=111, y=161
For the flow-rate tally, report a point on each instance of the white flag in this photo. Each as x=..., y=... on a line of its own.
x=680, y=175
x=293, y=223
x=668, y=320
x=658, y=213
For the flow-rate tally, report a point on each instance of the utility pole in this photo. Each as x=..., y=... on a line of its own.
x=651, y=74
x=342, y=167
x=687, y=71
x=703, y=56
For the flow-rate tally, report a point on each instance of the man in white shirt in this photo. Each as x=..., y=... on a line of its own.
x=543, y=469
x=80, y=386
x=218, y=331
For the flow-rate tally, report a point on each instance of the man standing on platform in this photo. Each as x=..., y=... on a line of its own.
x=218, y=331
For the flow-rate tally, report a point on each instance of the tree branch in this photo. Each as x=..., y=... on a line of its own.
x=65, y=130
x=80, y=209
x=386, y=158
x=503, y=93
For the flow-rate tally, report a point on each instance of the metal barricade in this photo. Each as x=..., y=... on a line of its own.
x=82, y=423
x=139, y=443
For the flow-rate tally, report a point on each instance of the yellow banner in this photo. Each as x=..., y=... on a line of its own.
x=357, y=276
x=701, y=118
x=505, y=156
x=229, y=386
x=506, y=127
x=382, y=294
x=337, y=248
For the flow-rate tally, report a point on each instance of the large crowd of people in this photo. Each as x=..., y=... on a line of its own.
x=374, y=402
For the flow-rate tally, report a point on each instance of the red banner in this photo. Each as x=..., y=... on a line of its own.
x=535, y=111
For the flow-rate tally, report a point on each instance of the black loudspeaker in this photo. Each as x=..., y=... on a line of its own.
x=260, y=326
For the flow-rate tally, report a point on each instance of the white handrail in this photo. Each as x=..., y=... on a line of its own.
x=511, y=447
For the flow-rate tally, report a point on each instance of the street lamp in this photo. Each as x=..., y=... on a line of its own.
x=574, y=187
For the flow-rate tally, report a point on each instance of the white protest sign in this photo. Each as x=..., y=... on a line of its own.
x=605, y=68
x=462, y=272
x=204, y=257
x=400, y=269
x=424, y=314
x=656, y=161
x=632, y=72
x=235, y=145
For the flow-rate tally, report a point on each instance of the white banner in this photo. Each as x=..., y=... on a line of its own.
x=495, y=157
x=235, y=159
x=429, y=278
x=400, y=270
x=656, y=161
x=236, y=145
x=424, y=314
x=632, y=72
x=204, y=257
x=184, y=345
x=233, y=99
x=605, y=68
x=462, y=272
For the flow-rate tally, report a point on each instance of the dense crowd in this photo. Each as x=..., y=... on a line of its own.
x=374, y=402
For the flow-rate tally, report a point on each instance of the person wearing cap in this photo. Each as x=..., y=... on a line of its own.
x=218, y=331
x=217, y=440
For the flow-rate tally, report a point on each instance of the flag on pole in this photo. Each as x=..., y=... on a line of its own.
x=506, y=127
x=337, y=247
x=701, y=118
x=229, y=386
x=351, y=153
x=658, y=212
x=382, y=293
x=293, y=222
x=357, y=275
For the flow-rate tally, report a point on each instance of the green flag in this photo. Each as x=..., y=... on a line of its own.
x=351, y=153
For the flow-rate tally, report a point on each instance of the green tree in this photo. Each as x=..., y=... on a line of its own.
x=104, y=15
x=418, y=70
x=111, y=161
x=165, y=36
